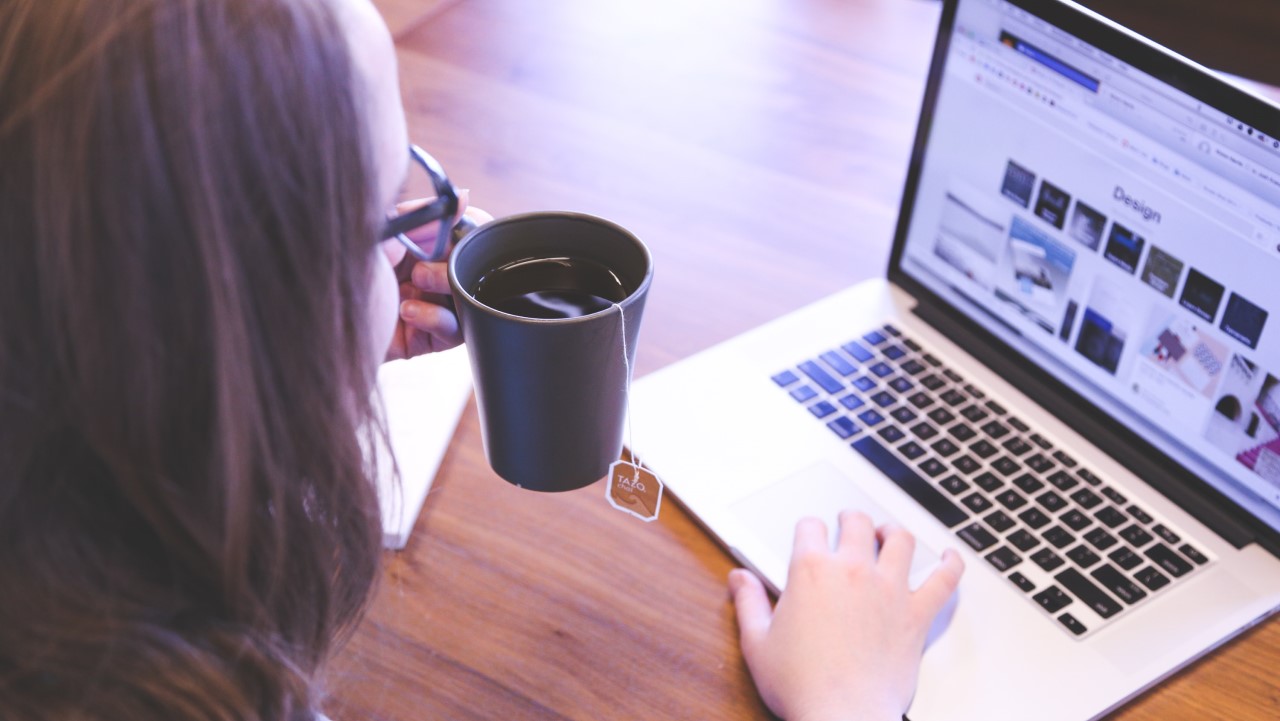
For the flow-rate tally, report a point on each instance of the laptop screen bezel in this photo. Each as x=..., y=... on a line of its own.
x=1228, y=518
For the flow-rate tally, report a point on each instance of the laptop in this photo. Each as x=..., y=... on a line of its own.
x=1070, y=372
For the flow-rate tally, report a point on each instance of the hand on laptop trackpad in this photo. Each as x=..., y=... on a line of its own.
x=820, y=491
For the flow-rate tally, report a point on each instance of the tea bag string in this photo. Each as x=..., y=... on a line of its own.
x=626, y=391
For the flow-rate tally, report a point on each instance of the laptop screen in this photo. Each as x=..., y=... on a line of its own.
x=1101, y=208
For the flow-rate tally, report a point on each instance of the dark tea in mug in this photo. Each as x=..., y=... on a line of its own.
x=550, y=288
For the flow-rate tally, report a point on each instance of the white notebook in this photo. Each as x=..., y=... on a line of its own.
x=424, y=397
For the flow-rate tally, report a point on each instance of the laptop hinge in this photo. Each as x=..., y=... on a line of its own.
x=1206, y=504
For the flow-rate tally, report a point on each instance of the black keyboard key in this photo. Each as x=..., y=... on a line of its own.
x=822, y=409
x=1194, y=554
x=880, y=369
x=974, y=391
x=924, y=431
x=1023, y=583
x=1169, y=536
x=983, y=448
x=1048, y=560
x=932, y=382
x=988, y=482
x=1085, y=590
x=1018, y=424
x=1111, y=517
x=1082, y=556
x=995, y=429
x=1051, y=501
x=977, y=536
x=824, y=379
x=953, y=484
x=856, y=350
x=844, y=427
x=785, y=378
x=1023, y=540
x=884, y=399
x=1039, y=463
x=974, y=414
x=1052, y=599
x=1118, y=584
x=874, y=337
x=932, y=467
x=1151, y=578
x=1041, y=441
x=892, y=352
x=804, y=393
x=911, y=344
x=976, y=502
x=839, y=363
x=1140, y=515
x=952, y=397
x=966, y=465
x=864, y=384
x=1086, y=498
x=1034, y=517
x=952, y=375
x=852, y=401
x=1059, y=537
x=920, y=400
x=911, y=450
x=911, y=482
x=891, y=330
x=1006, y=465
x=999, y=520
x=1063, y=481
x=944, y=447
x=913, y=366
x=871, y=417
x=1011, y=499
x=903, y=415
x=1066, y=460
x=1115, y=496
x=931, y=360
x=996, y=408
x=1089, y=477
x=941, y=416
x=891, y=434
x=1003, y=558
x=1136, y=535
x=1075, y=520
x=1167, y=559
x=1073, y=624
x=1016, y=446
x=963, y=433
x=901, y=384
x=1125, y=558
x=1028, y=483
x=1100, y=539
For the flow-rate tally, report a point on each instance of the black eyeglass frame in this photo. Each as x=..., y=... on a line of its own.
x=444, y=209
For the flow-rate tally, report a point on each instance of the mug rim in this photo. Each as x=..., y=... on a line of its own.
x=461, y=294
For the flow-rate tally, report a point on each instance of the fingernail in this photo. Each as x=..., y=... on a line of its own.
x=735, y=579
x=408, y=310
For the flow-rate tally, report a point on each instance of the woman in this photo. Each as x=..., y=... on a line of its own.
x=194, y=296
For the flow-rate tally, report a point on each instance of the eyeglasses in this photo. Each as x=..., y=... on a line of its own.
x=444, y=208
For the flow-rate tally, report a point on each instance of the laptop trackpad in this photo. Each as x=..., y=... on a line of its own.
x=821, y=491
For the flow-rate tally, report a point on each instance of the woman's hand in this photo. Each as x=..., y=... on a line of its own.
x=846, y=637
x=427, y=321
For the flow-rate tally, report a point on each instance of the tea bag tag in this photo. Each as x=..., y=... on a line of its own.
x=634, y=490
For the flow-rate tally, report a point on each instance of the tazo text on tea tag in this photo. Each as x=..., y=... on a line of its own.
x=631, y=488
x=635, y=490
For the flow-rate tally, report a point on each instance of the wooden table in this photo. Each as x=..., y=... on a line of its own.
x=759, y=147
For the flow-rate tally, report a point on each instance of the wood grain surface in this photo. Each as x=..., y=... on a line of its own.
x=759, y=148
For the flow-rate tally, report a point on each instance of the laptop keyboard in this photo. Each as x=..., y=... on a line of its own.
x=1069, y=540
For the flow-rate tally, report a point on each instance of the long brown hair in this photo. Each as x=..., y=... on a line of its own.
x=187, y=218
